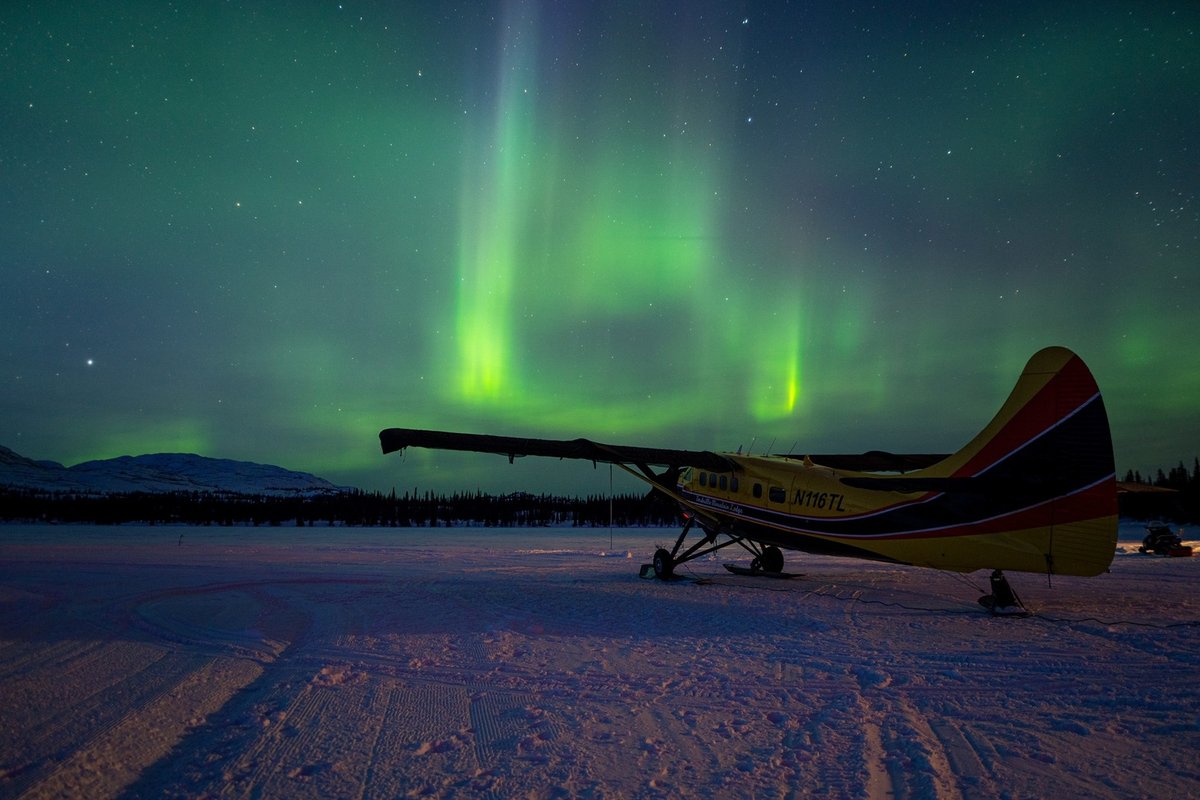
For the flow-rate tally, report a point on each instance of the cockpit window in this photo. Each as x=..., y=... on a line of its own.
x=777, y=494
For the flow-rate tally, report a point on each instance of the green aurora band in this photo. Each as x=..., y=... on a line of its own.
x=265, y=233
x=618, y=233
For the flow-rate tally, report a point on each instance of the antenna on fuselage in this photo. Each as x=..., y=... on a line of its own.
x=750, y=449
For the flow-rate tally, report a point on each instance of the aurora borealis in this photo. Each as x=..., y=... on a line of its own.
x=265, y=231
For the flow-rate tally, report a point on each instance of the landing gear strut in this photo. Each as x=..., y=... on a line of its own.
x=767, y=558
x=666, y=560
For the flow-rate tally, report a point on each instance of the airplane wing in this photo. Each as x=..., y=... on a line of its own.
x=393, y=439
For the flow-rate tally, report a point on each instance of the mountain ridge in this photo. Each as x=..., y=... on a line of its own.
x=157, y=473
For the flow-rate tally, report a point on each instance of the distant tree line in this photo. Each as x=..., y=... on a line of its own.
x=355, y=508
x=1180, y=503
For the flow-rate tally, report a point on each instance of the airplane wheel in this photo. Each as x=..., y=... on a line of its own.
x=771, y=559
x=663, y=567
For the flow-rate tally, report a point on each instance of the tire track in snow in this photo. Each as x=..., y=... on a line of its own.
x=350, y=732
x=966, y=761
x=424, y=735
x=28, y=658
x=835, y=724
x=917, y=754
x=835, y=741
x=233, y=628
x=275, y=747
x=499, y=720
x=902, y=755
x=114, y=757
x=129, y=676
x=378, y=708
x=879, y=781
x=928, y=757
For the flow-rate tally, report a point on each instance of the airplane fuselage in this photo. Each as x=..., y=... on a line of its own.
x=798, y=505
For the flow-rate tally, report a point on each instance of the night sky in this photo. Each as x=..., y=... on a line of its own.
x=265, y=231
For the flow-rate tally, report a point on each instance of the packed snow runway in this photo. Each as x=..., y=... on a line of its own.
x=377, y=663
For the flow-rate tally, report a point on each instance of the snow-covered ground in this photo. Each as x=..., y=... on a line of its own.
x=315, y=662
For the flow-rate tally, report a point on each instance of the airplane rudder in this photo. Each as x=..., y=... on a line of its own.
x=1064, y=434
x=1055, y=412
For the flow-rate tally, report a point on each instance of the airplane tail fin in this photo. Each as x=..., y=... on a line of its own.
x=1049, y=449
x=1035, y=490
x=1055, y=412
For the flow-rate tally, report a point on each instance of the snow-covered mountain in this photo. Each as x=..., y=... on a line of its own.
x=160, y=472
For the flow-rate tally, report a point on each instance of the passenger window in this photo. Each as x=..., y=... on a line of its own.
x=724, y=483
x=758, y=490
x=733, y=483
x=777, y=494
x=704, y=479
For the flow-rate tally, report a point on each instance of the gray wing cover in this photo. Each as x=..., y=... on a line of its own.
x=394, y=439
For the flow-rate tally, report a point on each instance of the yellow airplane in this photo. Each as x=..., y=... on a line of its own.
x=1035, y=491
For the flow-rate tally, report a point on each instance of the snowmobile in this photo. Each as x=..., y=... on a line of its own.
x=1162, y=541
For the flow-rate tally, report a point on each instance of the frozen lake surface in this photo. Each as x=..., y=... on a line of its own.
x=378, y=663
